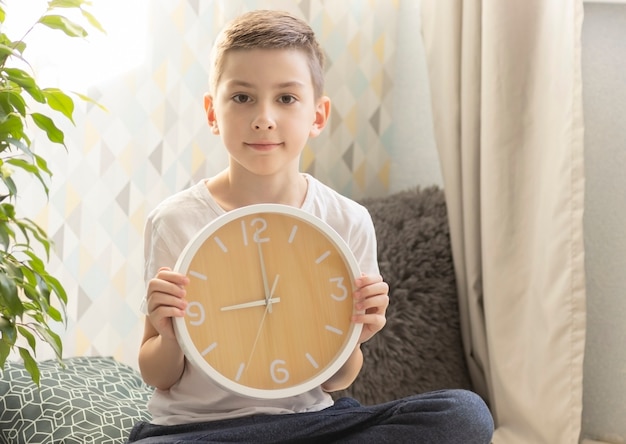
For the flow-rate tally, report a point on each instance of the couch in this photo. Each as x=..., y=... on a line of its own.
x=98, y=399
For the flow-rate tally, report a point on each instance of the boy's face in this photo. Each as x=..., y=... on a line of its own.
x=265, y=109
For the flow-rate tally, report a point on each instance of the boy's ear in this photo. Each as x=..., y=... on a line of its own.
x=210, y=113
x=322, y=114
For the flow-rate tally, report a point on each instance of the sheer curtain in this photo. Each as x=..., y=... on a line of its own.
x=505, y=83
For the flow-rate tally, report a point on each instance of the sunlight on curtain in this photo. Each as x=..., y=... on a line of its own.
x=507, y=107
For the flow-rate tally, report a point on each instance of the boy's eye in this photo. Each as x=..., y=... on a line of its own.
x=241, y=98
x=287, y=99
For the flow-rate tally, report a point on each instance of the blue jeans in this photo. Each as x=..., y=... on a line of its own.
x=447, y=416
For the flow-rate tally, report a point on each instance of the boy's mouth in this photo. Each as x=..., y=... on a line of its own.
x=263, y=146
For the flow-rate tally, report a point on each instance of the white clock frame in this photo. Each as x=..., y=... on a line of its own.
x=180, y=327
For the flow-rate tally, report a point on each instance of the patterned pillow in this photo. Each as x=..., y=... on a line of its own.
x=92, y=400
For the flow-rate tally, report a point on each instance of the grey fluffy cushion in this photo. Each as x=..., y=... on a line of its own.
x=420, y=348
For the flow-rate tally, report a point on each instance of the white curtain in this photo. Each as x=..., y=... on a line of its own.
x=505, y=80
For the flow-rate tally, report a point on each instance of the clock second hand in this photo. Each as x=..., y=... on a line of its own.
x=271, y=298
x=267, y=308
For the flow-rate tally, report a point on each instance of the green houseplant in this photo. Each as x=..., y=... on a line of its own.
x=31, y=299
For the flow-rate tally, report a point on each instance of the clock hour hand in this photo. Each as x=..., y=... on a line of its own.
x=258, y=303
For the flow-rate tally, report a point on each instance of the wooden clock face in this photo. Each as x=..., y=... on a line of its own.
x=270, y=301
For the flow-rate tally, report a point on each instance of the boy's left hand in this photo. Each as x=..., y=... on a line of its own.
x=372, y=296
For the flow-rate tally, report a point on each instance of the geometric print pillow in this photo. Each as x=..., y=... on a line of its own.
x=92, y=400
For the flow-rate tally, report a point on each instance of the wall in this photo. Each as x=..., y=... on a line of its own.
x=154, y=141
x=604, y=95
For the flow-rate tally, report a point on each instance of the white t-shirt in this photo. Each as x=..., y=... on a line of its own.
x=170, y=226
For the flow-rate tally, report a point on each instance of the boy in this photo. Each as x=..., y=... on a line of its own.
x=265, y=101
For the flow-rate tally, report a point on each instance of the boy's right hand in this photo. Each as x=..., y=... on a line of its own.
x=165, y=300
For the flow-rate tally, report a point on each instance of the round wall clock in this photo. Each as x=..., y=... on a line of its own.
x=269, y=301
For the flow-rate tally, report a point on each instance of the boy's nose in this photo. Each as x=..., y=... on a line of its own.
x=263, y=126
x=263, y=121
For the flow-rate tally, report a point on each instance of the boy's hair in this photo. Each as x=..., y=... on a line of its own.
x=266, y=29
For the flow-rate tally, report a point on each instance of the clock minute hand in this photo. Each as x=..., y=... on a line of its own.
x=258, y=303
x=266, y=286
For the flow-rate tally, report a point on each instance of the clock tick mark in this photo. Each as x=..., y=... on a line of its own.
x=220, y=244
x=208, y=350
x=332, y=329
x=198, y=275
x=240, y=371
x=322, y=257
x=244, y=233
x=292, y=235
x=312, y=361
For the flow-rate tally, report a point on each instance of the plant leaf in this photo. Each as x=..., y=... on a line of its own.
x=51, y=338
x=78, y=4
x=30, y=364
x=20, y=145
x=58, y=289
x=5, y=52
x=23, y=164
x=8, y=211
x=64, y=24
x=42, y=164
x=30, y=338
x=41, y=305
x=27, y=225
x=19, y=46
x=60, y=101
x=5, y=349
x=7, y=233
x=5, y=240
x=29, y=168
x=90, y=100
x=46, y=123
x=36, y=264
x=26, y=81
x=93, y=21
x=55, y=314
x=12, y=100
x=13, y=125
x=8, y=330
x=9, y=296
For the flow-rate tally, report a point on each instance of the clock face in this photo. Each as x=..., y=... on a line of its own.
x=270, y=301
